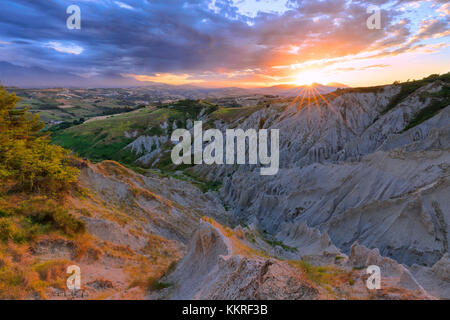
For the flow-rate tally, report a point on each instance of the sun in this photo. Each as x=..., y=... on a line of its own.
x=309, y=77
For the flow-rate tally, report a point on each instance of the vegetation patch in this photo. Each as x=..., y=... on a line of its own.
x=155, y=284
x=34, y=177
x=409, y=87
x=95, y=148
x=41, y=210
x=439, y=101
x=52, y=271
x=26, y=158
x=23, y=278
x=323, y=275
x=274, y=242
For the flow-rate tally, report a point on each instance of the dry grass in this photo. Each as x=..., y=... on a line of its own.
x=238, y=245
x=24, y=277
x=53, y=272
x=324, y=275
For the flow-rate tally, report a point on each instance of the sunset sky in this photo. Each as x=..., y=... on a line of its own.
x=220, y=43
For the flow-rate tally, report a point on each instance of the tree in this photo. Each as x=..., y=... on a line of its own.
x=27, y=158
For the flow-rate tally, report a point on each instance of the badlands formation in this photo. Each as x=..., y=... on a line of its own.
x=362, y=181
x=357, y=185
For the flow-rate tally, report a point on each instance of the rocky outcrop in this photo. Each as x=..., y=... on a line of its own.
x=376, y=201
x=147, y=147
x=392, y=273
x=210, y=270
x=165, y=207
x=213, y=269
x=435, y=279
x=137, y=226
x=349, y=170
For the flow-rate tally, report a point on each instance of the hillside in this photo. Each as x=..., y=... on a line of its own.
x=363, y=180
x=382, y=151
x=138, y=228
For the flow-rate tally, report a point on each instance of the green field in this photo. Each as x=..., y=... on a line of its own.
x=105, y=139
x=56, y=105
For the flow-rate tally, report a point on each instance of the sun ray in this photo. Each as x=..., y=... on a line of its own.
x=326, y=102
x=301, y=103
x=309, y=104
x=314, y=98
x=339, y=96
x=297, y=97
x=346, y=101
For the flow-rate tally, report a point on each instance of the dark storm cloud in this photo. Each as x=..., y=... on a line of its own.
x=174, y=36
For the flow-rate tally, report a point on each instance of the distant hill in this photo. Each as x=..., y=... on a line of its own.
x=293, y=90
x=337, y=85
x=34, y=77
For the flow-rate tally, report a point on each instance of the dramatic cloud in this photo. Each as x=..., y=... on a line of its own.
x=68, y=48
x=220, y=41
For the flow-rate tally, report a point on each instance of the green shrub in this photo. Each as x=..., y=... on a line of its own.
x=440, y=100
x=155, y=284
x=51, y=270
x=6, y=229
x=12, y=283
x=406, y=89
x=26, y=157
x=47, y=212
x=409, y=87
x=9, y=230
x=319, y=274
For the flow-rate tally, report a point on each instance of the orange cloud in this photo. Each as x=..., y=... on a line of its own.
x=167, y=78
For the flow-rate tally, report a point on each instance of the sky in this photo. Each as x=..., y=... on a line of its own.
x=222, y=43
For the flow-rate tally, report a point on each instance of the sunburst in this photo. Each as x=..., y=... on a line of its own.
x=312, y=98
